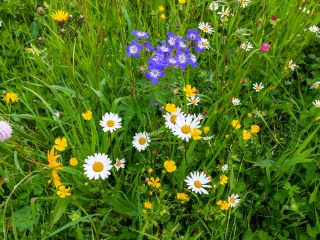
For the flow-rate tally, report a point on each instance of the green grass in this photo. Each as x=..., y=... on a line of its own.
x=276, y=173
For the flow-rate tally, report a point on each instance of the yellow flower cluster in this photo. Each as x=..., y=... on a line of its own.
x=11, y=97
x=224, y=205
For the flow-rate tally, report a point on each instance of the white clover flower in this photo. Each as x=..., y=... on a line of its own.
x=5, y=131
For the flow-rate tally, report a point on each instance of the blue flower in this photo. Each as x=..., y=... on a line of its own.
x=140, y=34
x=134, y=49
x=153, y=74
x=193, y=35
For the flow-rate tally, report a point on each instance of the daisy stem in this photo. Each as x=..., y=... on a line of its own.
x=111, y=147
x=185, y=152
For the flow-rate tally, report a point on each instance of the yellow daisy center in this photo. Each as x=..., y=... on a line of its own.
x=204, y=43
x=197, y=184
x=118, y=163
x=258, y=88
x=98, y=167
x=205, y=28
x=173, y=119
x=232, y=200
x=142, y=140
x=110, y=123
x=186, y=129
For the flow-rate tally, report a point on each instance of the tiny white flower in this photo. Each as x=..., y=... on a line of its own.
x=316, y=103
x=258, y=86
x=141, y=141
x=246, y=46
x=213, y=6
x=119, y=164
x=56, y=115
x=225, y=13
x=234, y=200
x=205, y=27
x=193, y=100
x=244, y=3
x=235, y=101
x=208, y=138
x=197, y=182
x=292, y=66
x=204, y=43
x=314, y=29
x=315, y=85
x=224, y=168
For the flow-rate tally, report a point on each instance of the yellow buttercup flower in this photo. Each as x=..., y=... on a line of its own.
x=224, y=205
x=223, y=179
x=11, y=97
x=73, y=161
x=61, y=144
x=182, y=196
x=236, y=124
x=154, y=182
x=206, y=129
x=190, y=91
x=87, y=115
x=196, y=134
x=63, y=191
x=163, y=16
x=150, y=170
x=182, y=1
x=161, y=8
x=170, y=166
x=60, y=16
x=171, y=107
x=246, y=135
x=147, y=205
x=255, y=129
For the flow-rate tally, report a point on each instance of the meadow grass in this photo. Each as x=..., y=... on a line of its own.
x=60, y=74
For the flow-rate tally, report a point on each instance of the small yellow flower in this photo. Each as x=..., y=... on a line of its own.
x=171, y=108
x=246, y=135
x=219, y=203
x=150, y=170
x=249, y=115
x=11, y=97
x=61, y=144
x=236, y=124
x=206, y=129
x=60, y=16
x=196, y=134
x=170, y=166
x=163, y=16
x=182, y=1
x=223, y=179
x=255, y=129
x=154, y=182
x=182, y=196
x=55, y=179
x=33, y=49
x=87, y=115
x=147, y=205
x=190, y=91
x=224, y=205
x=161, y=8
x=63, y=191
x=73, y=161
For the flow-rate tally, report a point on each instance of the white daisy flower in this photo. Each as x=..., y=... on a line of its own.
x=193, y=100
x=171, y=118
x=235, y=101
x=110, y=122
x=197, y=181
x=224, y=167
x=246, y=46
x=214, y=6
x=234, y=200
x=316, y=103
x=184, y=125
x=244, y=3
x=141, y=141
x=204, y=43
x=225, y=13
x=197, y=118
x=315, y=85
x=258, y=87
x=97, y=166
x=205, y=27
x=208, y=138
x=119, y=164
x=314, y=29
x=292, y=66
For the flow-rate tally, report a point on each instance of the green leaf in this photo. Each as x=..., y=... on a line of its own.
x=23, y=219
x=60, y=209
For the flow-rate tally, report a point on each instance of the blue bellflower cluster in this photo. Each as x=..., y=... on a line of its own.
x=174, y=52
